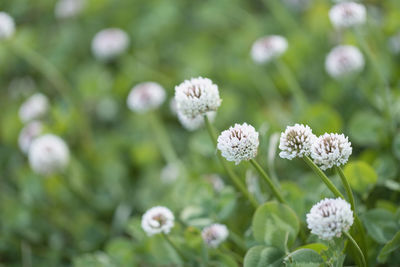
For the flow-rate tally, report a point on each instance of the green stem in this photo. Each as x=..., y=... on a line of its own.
x=163, y=140
x=235, y=179
x=271, y=185
x=292, y=83
x=224, y=250
x=180, y=253
x=323, y=177
x=357, y=247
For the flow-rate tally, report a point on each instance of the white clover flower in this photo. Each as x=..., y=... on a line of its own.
x=68, y=8
x=48, y=154
x=28, y=134
x=146, y=96
x=347, y=14
x=268, y=48
x=296, y=141
x=170, y=173
x=216, y=181
x=196, y=97
x=157, y=220
x=34, y=107
x=192, y=124
x=330, y=218
x=238, y=143
x=344, y=60
x=109, y=43
x=7, y=26
x=331, y=150
x=214, y=235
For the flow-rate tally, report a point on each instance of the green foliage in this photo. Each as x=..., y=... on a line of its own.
x=259, y=256
x=361, y=176
x=389, y=247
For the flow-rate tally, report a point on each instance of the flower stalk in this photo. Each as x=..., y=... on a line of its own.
x=359, y=251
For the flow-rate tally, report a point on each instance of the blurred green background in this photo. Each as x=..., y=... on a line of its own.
x=91, y=214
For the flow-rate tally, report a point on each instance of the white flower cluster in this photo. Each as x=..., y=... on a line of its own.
x=109, y=43
x=146, y=96
x=196, y=97
x=296, y=141
x=330, y=218
x=34, y=107
x=331, y=150
x=157, y=220
x=7, y=26
x=214, y=235
x=48, y=154
x=344, y=60
x=32, y=130
x=238, y=143
x=68, y=8
x=347, y=14
x=268, y=48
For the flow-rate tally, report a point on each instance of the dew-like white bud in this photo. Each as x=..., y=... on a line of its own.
x=344, y=60
x=7, y=26
x=214, y=235
x=329, y=218
x=109, y=43
x=331, y=150
x=192, y=124
x=196, y=97
x=157, y=220
x=268, y=48
x=34, y=107
x=238, y=143
x=146, y=96
x=347, y=14
x=32, y=130
x=48, y=154
x=68, y=8
x=296, y=141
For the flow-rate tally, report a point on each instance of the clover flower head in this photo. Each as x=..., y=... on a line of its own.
x=34, y=107
x=68, y=8
x=268, y=48
x=329, y=218
x=32, y=130
x=197, y=96
x=7, y=26
x=331, y=150
x=194, y=123
x=157, y=220
x=109, y=43
x=296, y=141
x=238, y=143
x=347, y=14
x=344, y=60
x=146, y=96
x=48, y=154
x=215, y=234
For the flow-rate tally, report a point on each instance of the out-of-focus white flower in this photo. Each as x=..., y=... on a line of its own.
x=296, y=141
x=107, y=109
x=170, y=173
x=216, y=182
x=347, y=14
x=331, y=150
x=146, y=96
x=394, y=43
x=215, y=234
x=109, y=43
x=157, y=220
x=68, y=8
x=48, y=154
x=196, y=97
x=268, y=48
x=330, y=218
x=192, y=124
x=32, y=130
x=344, y=60
x=34, y=107
x=238, y=143
x=7, y=26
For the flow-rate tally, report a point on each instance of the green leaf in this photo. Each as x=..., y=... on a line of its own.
x=396, y=146
x=303, y=257
x=381, y=224
x=366, y=128
x=261, y=256
x=361, y=176
x=318, y=247
x=390, y=246
x=322, y=118
x=275, y=224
